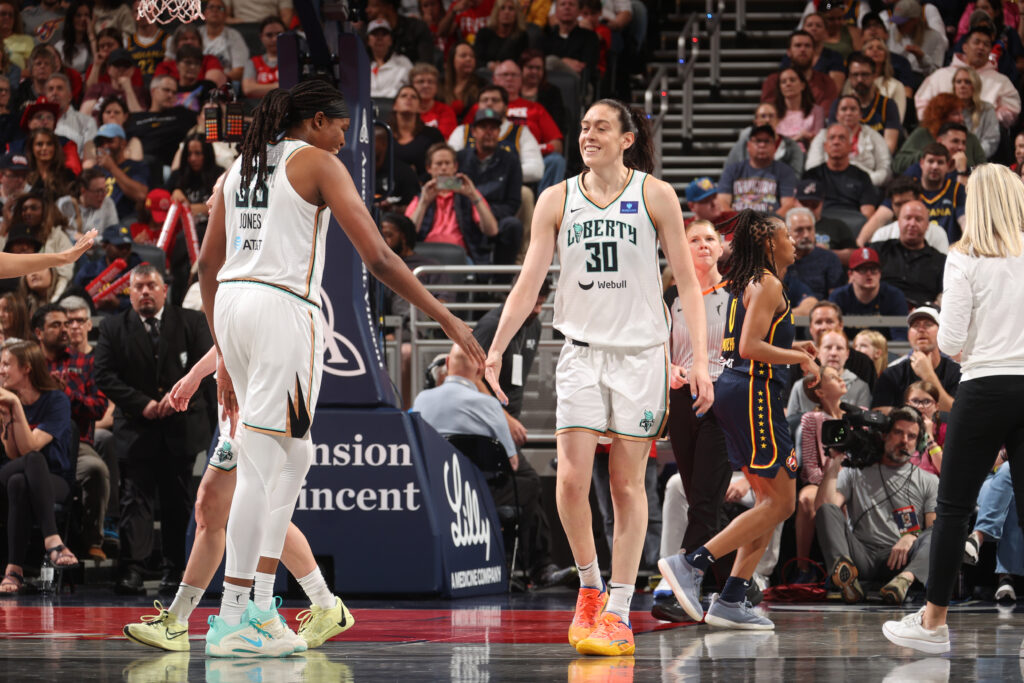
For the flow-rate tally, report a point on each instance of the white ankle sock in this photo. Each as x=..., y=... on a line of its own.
x=590, y=575
x=316, y=589
x=263, y=591
x=185, y=601
x=619, y=597
x=233, y=603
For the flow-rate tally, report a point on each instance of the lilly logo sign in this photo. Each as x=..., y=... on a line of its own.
x=342, y=357
x=469, y=527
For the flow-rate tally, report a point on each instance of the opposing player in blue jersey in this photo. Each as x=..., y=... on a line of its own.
x=757, y=345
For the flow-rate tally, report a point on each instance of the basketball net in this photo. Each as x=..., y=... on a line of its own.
x=167, y=11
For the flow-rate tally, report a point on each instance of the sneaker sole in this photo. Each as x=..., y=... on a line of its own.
x=585, y=647
x=719, y=622
x=849, y=587
x=926, y=646
x=695, y=612
x=216, y=651
x=1007, y=596
x=891, y=596
x=184, y=644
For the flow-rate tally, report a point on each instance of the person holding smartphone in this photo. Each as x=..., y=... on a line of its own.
x=451, y=209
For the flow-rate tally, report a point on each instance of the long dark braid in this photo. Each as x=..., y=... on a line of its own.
x=748, y=261
x=279, y=110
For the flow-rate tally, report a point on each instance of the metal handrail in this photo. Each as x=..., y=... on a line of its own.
x=659, y=83
x=741, y=16
x=713, y=25
x=685, y=66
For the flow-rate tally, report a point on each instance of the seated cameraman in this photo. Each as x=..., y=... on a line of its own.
x=891, y=504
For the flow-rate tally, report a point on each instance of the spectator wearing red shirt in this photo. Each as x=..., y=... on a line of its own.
x=211, y=69
x=432, y=12
x=469, y=16
x=260, y=74
x=590, y=17
x=433, y=113
x=108, y=41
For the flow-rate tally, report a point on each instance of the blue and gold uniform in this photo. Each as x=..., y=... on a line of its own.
x=749, y=398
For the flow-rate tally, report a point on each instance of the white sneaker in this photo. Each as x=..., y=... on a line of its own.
x=908, y=632
x=274, y=624
x=931, y=670
x=248, y=639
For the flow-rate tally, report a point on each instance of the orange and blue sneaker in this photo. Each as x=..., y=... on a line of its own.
x=604, y=670
x=589, y=604
x=612, y=637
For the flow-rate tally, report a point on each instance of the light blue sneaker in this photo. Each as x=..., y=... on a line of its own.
x=685, y=581
x=247, y=639
x=273, y=622
x=740, y=615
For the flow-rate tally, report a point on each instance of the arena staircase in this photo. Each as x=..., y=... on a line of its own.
x=719, y=113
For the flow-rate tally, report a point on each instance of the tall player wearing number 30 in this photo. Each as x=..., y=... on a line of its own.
x=612, y=378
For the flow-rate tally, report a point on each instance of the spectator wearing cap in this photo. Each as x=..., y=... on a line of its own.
x=760, y=182
x=908, y=263
x=866, y=294
x=152, y=214
x=71, y=123
x=787, y=151
x=459, y=216
x=830, y=233
x=388, y=69
x=127, y=180
x=222, y=41
x=117, y=244
x=702, y=200
x=188, y=34
x=43, y=114
x=996, y=88
x=911, y=37
x=162, y=127
x=819, y=268
x=22, y=239
x=260, y=75
x=924, y=362
x=13, y=178
x=122, y=78
x=411, y=35
x=92, y=209
x=800, y=51
x=850, y=196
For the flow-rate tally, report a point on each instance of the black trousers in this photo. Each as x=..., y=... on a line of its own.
x=534, y=529
x=32, y=490
x=986, y=415
x=699, y=448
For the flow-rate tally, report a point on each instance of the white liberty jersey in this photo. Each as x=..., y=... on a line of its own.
x=609, y=291
x=274, y=237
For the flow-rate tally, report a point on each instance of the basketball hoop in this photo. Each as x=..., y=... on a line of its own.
x=167, y=11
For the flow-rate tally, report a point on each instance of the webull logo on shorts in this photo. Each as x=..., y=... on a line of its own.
x=342, y=358
x=470, y=526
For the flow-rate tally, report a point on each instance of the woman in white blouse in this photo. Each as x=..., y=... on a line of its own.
x=870, y=153
x=981, y=319
x=979, y=116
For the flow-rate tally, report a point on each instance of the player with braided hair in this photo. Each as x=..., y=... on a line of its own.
x=749, y=405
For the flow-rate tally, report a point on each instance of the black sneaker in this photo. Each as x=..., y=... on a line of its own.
x=754, y=594
x=1005, y=592
x=667, y=608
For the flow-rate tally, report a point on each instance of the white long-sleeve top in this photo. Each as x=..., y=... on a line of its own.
x=872, y=155
x=983, y=314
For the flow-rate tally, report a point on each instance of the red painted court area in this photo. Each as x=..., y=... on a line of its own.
x=475, y=625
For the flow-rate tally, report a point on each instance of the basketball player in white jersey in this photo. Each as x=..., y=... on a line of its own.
x=259, y=272
x=613, y=373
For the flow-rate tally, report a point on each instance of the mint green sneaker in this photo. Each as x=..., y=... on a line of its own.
x=274, y=623
x=248, y=639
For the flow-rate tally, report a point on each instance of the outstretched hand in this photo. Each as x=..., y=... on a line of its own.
x=492, y=371
x=83, y=245
x=459, y=333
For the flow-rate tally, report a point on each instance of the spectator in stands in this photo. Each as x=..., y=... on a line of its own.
x=193, y=182
x=979, y=117
x=411, y=36
x=536, y=88
x=41, y=65
x=760, y=182
x=222, y=41
x=74, y=372
x=898, y=192
x=163, y=126
x=79, y=324
x=841, y=26
x=925, y=362
x=908, y=263
x=825, y=60
x=38, y=469
x=830, y=233
x=457, y=213
x=801, y=57
x=72, y=124
x=8, y=118
x=128, y=180
x=388, y=69
x=148, y=44
x=12, y=33
x=866, y=294
x=945, y=197
x=996, y=89
x=115, y=15
x=191, y=91
x=14, y=318
x=869, y=150
x=48, y=170
x=873, y=345
x=117, y=244
x=504, y=36
x=885, y=81
x=943, y=122
x=412, y=137
x=461, y=84
x=13, y=179
x=850, y=195
x=819, y=268
x=570, y=47
x=877, y=111
x=702, y=200
x=42, y=219
x=42, y=114
x=111, y=110
x=826, y=316
x=260, y=74
x=113, y=72
x=875, y=28
x=140, y=354
x=923, y=396
x=801, y=118
x=833, y=352
x=1007, y=50
x=392, y=194
x=912, y=38
x=433, y=112
x=787, y=151
x=187, y=34
x=891, y=510
x=433, y=12
x=41, y=287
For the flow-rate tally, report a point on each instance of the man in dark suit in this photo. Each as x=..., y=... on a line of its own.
x=140, y=354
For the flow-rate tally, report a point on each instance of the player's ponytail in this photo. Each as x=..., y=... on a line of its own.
x=748, y=261
x=639, y=155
